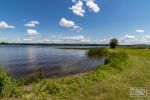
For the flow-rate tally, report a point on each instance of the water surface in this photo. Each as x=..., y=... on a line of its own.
x=21, y=60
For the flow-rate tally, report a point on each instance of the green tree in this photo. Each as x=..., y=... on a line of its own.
x=113, y=43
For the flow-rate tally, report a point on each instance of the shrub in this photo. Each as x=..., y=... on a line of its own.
x=7, y=85
x=52, y=88
x=98, y=52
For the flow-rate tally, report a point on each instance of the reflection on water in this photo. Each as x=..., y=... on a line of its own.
x=21, y=60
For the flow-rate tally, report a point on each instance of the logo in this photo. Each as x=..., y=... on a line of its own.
x=138, y=92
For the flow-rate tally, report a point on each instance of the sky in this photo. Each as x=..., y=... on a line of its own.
x=75, y=21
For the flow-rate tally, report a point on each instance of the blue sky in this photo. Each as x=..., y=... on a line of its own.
x=75, y=21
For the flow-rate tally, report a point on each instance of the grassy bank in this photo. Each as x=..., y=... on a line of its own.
x=124, y=68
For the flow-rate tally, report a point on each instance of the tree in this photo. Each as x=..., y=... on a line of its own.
x=113, y=43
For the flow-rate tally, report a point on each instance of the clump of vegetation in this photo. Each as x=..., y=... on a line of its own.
x=113, y=43
x=98, y=52
x=117, y=59
x=52, y=88
x=8, y=85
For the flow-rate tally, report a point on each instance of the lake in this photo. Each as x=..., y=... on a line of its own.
x=21, y=60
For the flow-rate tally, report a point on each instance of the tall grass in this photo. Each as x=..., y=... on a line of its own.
x=117, y=59
x=8, y=85
x=98, y=52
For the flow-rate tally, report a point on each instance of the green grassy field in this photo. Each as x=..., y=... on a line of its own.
x=116, y=87
x=108, y=82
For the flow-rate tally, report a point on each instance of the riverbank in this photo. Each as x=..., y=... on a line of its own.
x=110, y=81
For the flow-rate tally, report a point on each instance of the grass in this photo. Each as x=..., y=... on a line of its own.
x=98, y=52
x=134, y=47
x=8, y=86
x=136, y=75
x=125, y=68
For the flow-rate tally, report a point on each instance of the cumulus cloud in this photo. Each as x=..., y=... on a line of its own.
x=4, y=25
x=69, y=24
x=32, y=32
x=78, y=8
x=31, y=24
x=140, y=31
x=92, y=6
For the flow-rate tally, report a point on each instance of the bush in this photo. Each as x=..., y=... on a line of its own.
x=52, y=88
x=98, y=52
x=7, y=85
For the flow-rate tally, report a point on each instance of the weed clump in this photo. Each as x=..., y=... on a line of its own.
x=52, y=88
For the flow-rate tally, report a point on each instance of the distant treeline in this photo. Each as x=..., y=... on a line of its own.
x=4, y=43
x=136, y=46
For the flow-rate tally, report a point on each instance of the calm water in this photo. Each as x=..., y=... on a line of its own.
x=21, y=60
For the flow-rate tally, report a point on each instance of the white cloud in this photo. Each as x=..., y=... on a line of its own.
x=69, y=24
x=52, y=36
x=32, y=37
x=73, y=1
x=32, y=32
x=140, y=31
x=129, y=36
x=101, y=41
x=78, y=8
x=28, y=39
x=92, y=6
x=3, y=38
x=128, y=39
x=75, y=38
x=147, y=37
x=69, y=39
x=4, y=25
x=31, y=24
